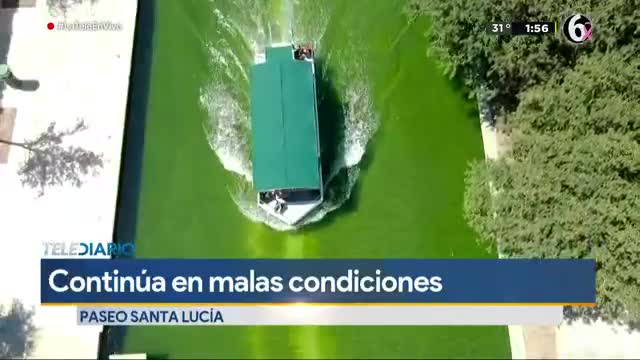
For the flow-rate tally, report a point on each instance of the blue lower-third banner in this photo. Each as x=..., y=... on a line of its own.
x=331, y=281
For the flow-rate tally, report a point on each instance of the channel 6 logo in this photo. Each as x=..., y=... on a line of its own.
x=577, y=28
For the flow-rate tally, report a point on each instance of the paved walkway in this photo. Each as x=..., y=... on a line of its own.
x=81, y=74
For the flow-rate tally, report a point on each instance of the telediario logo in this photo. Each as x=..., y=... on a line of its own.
x=61, y=248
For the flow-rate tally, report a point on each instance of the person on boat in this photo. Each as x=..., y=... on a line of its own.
x=281, y=203
x=308, y=49
x=303, y=53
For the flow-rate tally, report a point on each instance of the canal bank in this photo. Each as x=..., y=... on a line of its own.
x=72, y=74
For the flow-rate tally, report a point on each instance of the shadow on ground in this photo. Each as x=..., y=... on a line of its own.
x=590, y=315
x=62, y=7
x=25, y=85
x=17, y=331
x=113, y=338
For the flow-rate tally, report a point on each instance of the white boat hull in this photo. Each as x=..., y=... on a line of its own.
x=294, y=212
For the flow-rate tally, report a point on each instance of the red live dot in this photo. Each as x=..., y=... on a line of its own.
x=50, y=26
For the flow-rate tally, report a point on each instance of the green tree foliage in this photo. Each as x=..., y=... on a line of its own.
x=601, y=96
x=507, y=65
x=570, y=188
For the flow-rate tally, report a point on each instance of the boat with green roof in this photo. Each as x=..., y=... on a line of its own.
x=287, y=173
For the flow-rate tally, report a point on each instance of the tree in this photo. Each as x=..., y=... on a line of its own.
x=601, y=96
x=16, y=331
x=570, y=187
x=507, y=65
x=52, y=164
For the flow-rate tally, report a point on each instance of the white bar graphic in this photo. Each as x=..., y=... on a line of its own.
x=320, y=315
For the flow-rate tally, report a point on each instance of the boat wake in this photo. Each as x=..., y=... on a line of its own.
x=225, y=97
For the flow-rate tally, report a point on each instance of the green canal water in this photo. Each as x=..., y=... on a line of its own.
x=401, y=138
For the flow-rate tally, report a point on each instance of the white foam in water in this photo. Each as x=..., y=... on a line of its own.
x=237, y=63
x=228, y=126
x=222, y=20
x=225, y=132
x=359, y=128
x=217, y=56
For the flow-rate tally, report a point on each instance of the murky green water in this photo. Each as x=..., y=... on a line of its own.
x=405, y=190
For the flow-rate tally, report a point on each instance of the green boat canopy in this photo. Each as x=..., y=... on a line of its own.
x=286, y=150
